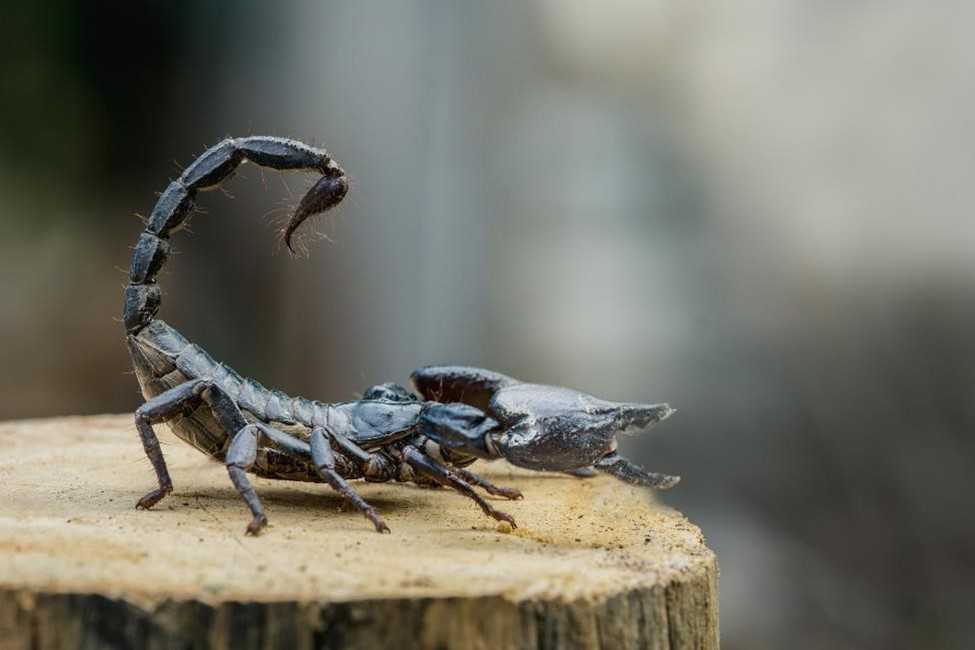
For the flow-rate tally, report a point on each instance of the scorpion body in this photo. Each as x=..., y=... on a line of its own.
x=460, y=415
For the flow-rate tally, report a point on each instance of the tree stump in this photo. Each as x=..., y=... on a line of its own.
x=593, y=564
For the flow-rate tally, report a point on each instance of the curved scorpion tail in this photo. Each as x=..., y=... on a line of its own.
x=142, y=295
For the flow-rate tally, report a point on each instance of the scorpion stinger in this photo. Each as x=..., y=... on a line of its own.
x=142, y=296
x=390, y=434
x=324, y=195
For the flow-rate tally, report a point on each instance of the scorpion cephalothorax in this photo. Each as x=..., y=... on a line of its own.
x=461, y=414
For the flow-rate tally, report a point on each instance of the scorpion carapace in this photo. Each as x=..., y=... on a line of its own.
x=460, y=415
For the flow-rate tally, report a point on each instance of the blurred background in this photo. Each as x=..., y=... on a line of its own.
x=756, y=211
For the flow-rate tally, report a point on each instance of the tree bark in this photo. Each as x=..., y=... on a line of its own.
x=593, y=563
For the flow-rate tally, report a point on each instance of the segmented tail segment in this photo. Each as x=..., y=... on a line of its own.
x=142, y=295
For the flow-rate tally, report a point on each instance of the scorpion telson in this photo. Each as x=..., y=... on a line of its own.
x=460, y=415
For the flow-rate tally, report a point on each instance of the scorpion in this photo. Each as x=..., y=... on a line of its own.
x=457, y=415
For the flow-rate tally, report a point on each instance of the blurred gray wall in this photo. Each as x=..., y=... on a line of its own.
x=756, y=211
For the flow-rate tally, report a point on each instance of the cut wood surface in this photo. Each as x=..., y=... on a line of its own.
x=593, y=563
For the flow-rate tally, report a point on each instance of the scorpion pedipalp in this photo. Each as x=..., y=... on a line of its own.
x=533, y=426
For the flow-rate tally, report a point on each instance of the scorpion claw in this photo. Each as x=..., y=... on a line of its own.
x=257, y=523
x=485, y=414
x=629, y=472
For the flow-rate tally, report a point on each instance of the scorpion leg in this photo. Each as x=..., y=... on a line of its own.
x=243, y=453
x=375, y=467
x=324, y=459
x=627, y=471
x=489, y=487
x=443, y=475
x=240, y=458
x=161, y=408
x=349, y=447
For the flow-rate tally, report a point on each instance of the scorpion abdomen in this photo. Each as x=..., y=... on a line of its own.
x=164, y=358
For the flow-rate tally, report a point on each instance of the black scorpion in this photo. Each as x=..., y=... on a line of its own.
x=461, y=414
